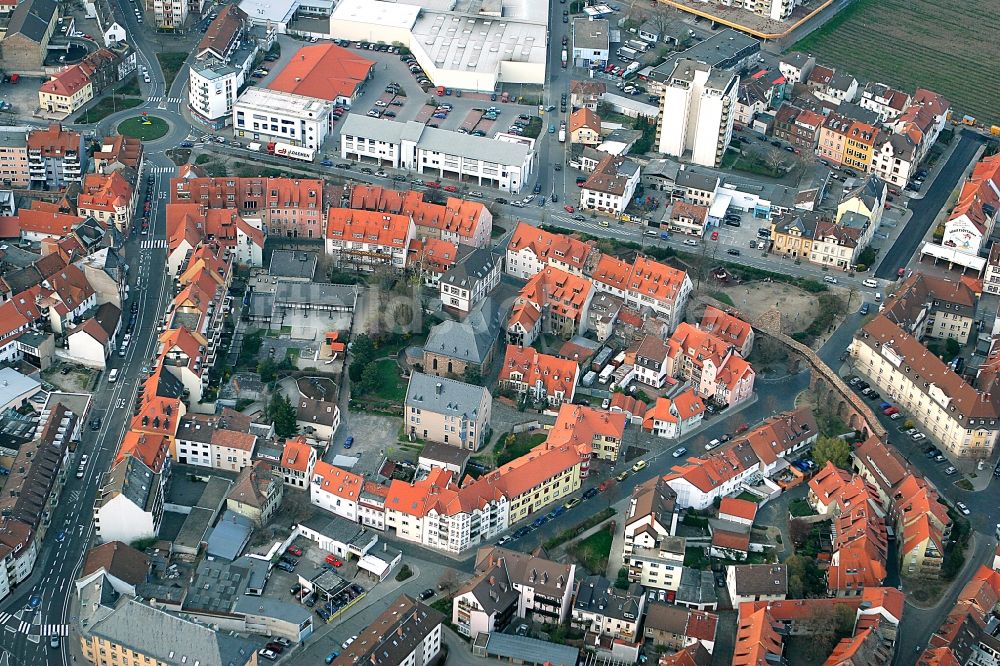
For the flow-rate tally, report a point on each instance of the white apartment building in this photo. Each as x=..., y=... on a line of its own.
x=170, y=14
x=696, y=112
x=658, y=565
x=212, y=89
x=129, y=503
x=894, y=159
x=271, y=115
x=610, y=187
x=504, y=162
x=465, y=285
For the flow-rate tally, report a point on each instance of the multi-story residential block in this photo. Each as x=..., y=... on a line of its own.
x=505, y=162
x=932, y=307
x=456, y=221
x=66, y=91
x=599, y=607
x=611, y=186
x=56, y=157
x=366, y=239
x=109, y=199
x=553, y=302
x=689, y=219
x=290, y=207
x=728, y=328
x=792, y=233
x=645, y=284
x=926, y=115
x=14, y=157
x=651, y=362
x=191, y=226
x=541, y=377
x=659, y=565
x=799, y=127
x=270, y=115
x=797, y=66
x=578, y=425
x=847, y=142
x=466, y=284
x=316, y=409
x=839, y=245
x=991, y=274
x=832, y=86
x=134, y=630
x=443, y=410
x=674, y=417
x=697, y=112
x=585, y=127
x=221, y=442
x=170, y=15
x=222, y=36
x=297, y=462
x=129, y=504
x=587, y=92
x=679, y=628
x=651, y=516
x=884, y=100
x=756, y=582
x=257, y=492
x=971, y=222
x=336, y=490
x=867, y=199
x=212, y=89
x=408, y=633
x=894, y=157
x=531, y=249
x=700, y=480
x=943, y=405
x=714, y=367
x=510, y=584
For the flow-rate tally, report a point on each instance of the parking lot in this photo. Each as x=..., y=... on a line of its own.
x=373, y=436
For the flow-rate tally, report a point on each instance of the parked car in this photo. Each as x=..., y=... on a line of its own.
x=270, y=655
x=426, y=594
x=622, y=476
x=963, y=508
x=639, y=465
x=590, y=493
x=950, y=470
x=679, y=452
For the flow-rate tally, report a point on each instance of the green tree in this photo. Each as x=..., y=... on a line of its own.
x=833, y=449
x=363, y=348
x=369, y=379
x=472, y=375
x=951, y=348
x=268, y=370
x=282, y=414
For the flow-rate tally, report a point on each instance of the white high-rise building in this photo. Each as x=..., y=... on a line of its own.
x=696, y=115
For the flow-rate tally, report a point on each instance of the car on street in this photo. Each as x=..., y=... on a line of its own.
x=326, y=163
x=571, y=503
x=275, y=646
x=639, y=465
x=54, y=642
x=568, y=209
x=963, y=508
x=715, y=236
x=604, y=485
x=679, y=452
x=917, y=436
x=829, y=279
x=622, y=476
x=285, y=566
x=590, y=493
x=61, y=536
x=294, y=551
x=505, y=539
x=691, y=242
x=330, y=559
x=864, y=309
x=949, y=470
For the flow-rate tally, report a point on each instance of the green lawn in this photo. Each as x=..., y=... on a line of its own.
x=748, y=163
x=594, y=550
x=917, y=43
x=105, y=107
x=171, y=63
x=799, y=508
x=390, y=386
x=522, y=443
x=722, y=297
x=146, y=129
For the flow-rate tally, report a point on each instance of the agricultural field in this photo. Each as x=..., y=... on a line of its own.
x=917, y=43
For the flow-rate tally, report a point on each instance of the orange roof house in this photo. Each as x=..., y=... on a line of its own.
x=737, y=510
x=671, y=418
x=324, y=71
x=645, y=284
x=365, y=238
x=728, y=328
x=35, y=224
x=585, y=127
x=531, y=248
x=150, y=448
x=106, y=198
x=758, y=643
x=578, y=425
x=296, y=455
x=63, y=86
x=553, y=301
x=457, y=220
x=544, y=377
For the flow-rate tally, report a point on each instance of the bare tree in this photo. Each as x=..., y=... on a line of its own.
x=448, y=581
x=774, y=158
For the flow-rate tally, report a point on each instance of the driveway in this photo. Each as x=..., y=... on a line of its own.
x=374, y=435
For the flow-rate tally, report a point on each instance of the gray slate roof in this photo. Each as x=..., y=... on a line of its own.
x=31, y=18
x=469, y=340
x=476, y=266
x=170, y=639
x=524, y=650
x=445, y=396
x=596, y=594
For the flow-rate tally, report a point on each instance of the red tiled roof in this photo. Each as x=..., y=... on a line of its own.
x=323, y=71
x=732, y=506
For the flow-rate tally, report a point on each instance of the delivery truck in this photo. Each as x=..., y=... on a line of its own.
x=253, y=145
x=280, y=149
x=565, y=58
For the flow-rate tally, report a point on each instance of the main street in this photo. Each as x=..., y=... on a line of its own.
x=26, y=634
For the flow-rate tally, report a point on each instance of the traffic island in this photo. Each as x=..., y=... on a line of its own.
x=144, y=127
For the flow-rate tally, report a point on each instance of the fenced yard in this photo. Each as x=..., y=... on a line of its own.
x=917, y=43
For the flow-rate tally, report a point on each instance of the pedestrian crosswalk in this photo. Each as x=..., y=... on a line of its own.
x=30, y=628
x=175, y=100
x=162, y=169
x=154, y=244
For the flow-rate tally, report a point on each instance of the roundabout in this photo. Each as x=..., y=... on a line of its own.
x=144, y=127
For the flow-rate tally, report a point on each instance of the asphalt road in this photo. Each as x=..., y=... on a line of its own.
x=925, y=210
x=25, y=636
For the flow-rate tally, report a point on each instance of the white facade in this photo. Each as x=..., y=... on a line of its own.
x=170, y=14
x=84, y=349
x=689, y=495
x=113, y=34
x=656, y=568
x=503, y=162
x=697, y=111
x=121, y=520
x=262, y=114
x=612, y=200
x=212, y=89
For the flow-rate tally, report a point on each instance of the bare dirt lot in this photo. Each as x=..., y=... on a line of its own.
x=798, y=308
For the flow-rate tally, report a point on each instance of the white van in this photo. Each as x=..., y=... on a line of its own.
x=711, y=445
x=870, y=282
x=113, y=376
x=878, y=297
